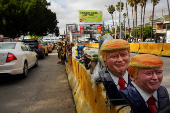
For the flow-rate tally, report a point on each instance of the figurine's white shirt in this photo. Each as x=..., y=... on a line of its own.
x=145, y=95
x=115, y=78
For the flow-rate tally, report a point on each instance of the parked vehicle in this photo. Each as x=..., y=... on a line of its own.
x=148, y=40
x=49, y=47
x=38, y=46
x=16, y=58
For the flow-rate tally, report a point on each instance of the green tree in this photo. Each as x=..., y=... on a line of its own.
x=20, y=17
x=146, y=32
x=111, y=9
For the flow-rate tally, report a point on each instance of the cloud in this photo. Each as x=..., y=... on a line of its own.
x=67, y=10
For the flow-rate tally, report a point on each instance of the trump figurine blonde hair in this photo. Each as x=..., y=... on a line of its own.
x=114, y=44
x=143, y=61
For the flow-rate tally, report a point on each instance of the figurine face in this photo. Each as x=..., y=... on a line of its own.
x=117, y=61
x=149, y=79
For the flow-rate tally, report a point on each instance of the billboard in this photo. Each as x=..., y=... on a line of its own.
x=90, y=16
x=71, y=27
x=110, y=22
x=90, y=29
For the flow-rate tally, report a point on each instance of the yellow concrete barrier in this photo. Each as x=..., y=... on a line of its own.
x=166, y=49
x=87, y=99
x=150, y=48
x=143, y=48
x=93, y=45
x=156, y=48
x=134, y=47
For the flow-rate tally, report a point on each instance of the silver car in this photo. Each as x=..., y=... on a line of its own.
x=16, y=58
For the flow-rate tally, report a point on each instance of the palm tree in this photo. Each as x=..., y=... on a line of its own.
x=141, y=30
x=128, y=20
x=111, y=9
x=130, y=2
x=144, y=3
x=155, y=2
x=124, y=15
x=135, y=2
x=120, y=10
x=168, y=8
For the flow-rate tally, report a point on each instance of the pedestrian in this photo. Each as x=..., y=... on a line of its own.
x=63, y=54
x=59, y=48
x=144, y=94
x=115, y=55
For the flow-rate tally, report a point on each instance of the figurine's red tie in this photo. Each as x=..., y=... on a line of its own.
x=152, y=104
x=121, y=83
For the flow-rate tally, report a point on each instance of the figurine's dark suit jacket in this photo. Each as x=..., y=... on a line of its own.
x=112, y=92
x=137, y=103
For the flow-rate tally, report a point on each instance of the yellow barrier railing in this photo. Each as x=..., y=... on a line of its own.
x=160, y=49
x=166, y=49
x=151, y=48
x=134, y=47
x=94, y=45
x=87, y=99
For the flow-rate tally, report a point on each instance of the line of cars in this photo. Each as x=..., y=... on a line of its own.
x=17, y=57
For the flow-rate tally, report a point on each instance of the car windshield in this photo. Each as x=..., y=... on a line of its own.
x=7, y=45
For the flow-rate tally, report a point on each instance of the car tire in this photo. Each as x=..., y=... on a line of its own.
x=43, y=55
x=36, y=62
x=46, y=53
x=25, y=70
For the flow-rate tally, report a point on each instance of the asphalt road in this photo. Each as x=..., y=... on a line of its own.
x=46, y=90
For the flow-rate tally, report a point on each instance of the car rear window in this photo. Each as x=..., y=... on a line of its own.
x=7, y=45
x=32, y=43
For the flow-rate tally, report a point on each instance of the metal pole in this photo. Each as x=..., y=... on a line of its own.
x=115, y=25
x=125, y=29
x=120, y=21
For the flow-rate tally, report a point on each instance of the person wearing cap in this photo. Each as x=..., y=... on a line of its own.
x=115, y=55
x=144, y=94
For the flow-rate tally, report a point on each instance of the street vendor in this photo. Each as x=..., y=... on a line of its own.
x=115, y=55
x=144, y=94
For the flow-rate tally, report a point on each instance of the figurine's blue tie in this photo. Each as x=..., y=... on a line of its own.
x=121, y=83
x=152, y=104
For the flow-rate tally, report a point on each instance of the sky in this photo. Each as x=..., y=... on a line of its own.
x=67, y=10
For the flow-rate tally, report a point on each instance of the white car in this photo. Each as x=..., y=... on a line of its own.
x=16, y=58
